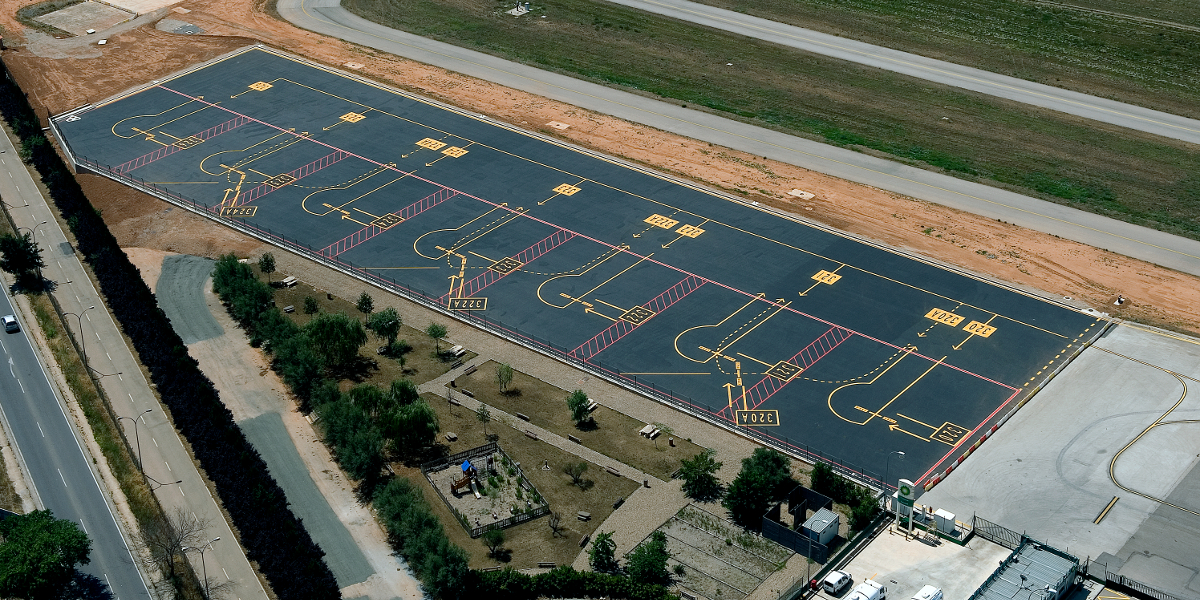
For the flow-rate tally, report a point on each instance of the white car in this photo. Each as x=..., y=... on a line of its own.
x=835, y=582
x=10, y=323
x=868, y=590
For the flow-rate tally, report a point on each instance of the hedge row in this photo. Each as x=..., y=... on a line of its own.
x=273, y=537
x=562, y=582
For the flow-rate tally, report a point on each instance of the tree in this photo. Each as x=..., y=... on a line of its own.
x=493, y=539
x=411, y=427
x=765, y=477
x=404, y=392
x=602, y=556
x=575, y=471
x=336, y=339
x=365, y=304
x=22, y=258
x=266, y=264
x=385, y=324
x=298, y=364
x=484, y=416
x=577, y=403
x=648, y=562
x=38, y=554
x=166, y=537
x=310, y=306
x=437, y=332
x=699, y=476
x=362, y=454
x=504, y=376
x=555, y=523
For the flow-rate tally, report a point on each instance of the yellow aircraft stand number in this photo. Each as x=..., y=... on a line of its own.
x=979, y=329
x=944, y=317
x=238, y=211
x=757, y=418
x=431, y=144
x=827, y=277
x=661, y=221
x=468, y=304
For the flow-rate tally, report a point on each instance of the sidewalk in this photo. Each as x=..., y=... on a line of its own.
x=162, y=451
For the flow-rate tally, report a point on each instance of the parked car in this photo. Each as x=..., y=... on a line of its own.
x=868, y=590
x=836, y=581
x=10, y=323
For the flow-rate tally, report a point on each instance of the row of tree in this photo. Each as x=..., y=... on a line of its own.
x=269, y=531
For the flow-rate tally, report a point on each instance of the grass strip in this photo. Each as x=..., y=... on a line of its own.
x=1100, y=47
x=1127, y=175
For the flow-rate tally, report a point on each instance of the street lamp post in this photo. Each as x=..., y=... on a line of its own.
x=203, y=566
x=137, y=439
x=888, y=468
x=82, y=339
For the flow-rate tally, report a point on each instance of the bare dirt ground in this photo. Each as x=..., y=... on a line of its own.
x=64, y=76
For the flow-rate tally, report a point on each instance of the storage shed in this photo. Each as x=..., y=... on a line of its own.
x=823, y=526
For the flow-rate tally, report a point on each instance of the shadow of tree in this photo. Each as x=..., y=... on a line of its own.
x=86, y=587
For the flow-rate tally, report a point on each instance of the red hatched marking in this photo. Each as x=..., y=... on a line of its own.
x=165, y=151
x=526, y=256
x=805, y=358
x=297, y=174
x=613, y=333
x=371, y=231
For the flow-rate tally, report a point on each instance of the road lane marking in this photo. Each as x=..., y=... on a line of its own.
x=155, y=442
x=168, y=465
x=40, y=429
x=64, y=479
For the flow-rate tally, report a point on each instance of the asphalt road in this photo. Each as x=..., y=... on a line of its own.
x=60, y=470
x=328, y=18
x=163, y=454
x=938, y=71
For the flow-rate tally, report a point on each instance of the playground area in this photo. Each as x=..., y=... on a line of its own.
x=485, y=489
x=814, y=342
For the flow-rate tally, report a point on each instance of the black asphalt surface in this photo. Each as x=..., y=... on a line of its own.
x=60, y=471
x=726, y=290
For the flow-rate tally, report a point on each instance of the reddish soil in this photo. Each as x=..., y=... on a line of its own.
x=60, y=75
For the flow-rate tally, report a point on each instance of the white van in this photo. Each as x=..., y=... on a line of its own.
x=928, y=593
x=868, y=590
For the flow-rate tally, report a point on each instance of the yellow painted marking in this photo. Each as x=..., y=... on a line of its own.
x=784, y=371
x=908, y=350
x=505, y=265
x=592, y=310
x=480, y=255
x=468, y=304
x=366, y=213
x=1104, y=513
x=980, y=329
x=190, y=141
x=386, y=221
x=637, y=315
x=240, y=212
x=608, y=254
x=756, y=298
x=349, y=218
x=944, y=317
x=567, y=189
x=454, y=151
x=763, y=363
x=689, y=231
x=661, y=221
x=114, y=127
x=757, y=418
x=260, y=86
x=280, y=180
x=352, y=117
x=431, y=144
x=611, y=305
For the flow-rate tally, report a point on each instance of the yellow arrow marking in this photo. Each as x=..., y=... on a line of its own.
x=611, y=305
x=594, y=312
x=895, y=427
x=349, y=218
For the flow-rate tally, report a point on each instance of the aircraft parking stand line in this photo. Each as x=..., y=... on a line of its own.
x=813, y=341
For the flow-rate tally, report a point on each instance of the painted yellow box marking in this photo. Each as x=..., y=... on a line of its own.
x=566, y=189
x=980, y=329
x=661, y=221
x=454, y=151
x=944, y=317
x=827, y=277
x=689, y=231
x=431, y=143
x=260, y=86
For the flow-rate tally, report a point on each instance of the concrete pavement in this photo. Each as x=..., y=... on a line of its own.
x=937, y=71
x=162, y=452
x=327, y=17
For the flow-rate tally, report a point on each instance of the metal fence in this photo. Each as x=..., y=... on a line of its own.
x=996, y=533
x=478, y=451
x=592, y=366
x=1097, y=570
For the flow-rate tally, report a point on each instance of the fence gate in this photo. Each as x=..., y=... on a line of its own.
x=995, y=533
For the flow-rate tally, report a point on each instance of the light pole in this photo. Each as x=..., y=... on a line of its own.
x=82, y=339
x=203, y=566
x=888, y=468
x=137, y=439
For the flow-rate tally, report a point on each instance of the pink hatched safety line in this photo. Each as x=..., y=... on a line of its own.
x=261, y=190
x=371, y=231
x=613, y=333
x=526, y=256
x=165, y=151
x=767, y=386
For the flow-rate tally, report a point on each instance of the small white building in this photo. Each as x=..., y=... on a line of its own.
x=822, y=527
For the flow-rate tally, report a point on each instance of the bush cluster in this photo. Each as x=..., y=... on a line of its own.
x=273, y=537
x=417, y=535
